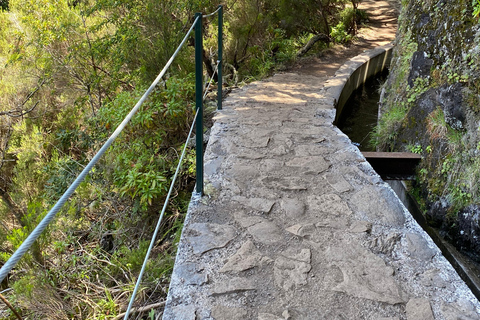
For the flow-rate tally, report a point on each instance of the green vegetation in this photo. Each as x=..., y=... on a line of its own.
x=476, y=8
x=424, y=117
x=71, y=70
x=346, y=28
x=385, y=133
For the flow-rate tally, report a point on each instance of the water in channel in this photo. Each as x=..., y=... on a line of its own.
x=360, y=113
x=358, y=118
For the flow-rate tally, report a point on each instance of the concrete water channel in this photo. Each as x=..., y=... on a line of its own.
x=358, y=119
x=296, y=224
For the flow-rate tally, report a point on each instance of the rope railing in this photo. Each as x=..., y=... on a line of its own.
x=200, y=96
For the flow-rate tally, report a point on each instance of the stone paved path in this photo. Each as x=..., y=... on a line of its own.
x=295, y=224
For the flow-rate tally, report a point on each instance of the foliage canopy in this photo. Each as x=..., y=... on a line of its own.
x=71, y=70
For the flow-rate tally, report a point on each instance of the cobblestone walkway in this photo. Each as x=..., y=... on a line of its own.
x=295, y=224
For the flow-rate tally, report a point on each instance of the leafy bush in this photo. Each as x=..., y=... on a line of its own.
x=476, y=8
x=340, y=34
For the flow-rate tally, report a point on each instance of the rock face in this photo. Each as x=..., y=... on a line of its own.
x=419, y=67
x=468, y=228
x=431, y=105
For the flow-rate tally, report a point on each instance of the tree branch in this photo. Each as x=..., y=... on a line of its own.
x=10, y=306
x=311, y=43
x=19, y=112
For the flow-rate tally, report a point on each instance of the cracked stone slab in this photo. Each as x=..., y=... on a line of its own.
x=337, y=182
x=419, y=308
x=311, y=150
x=433, y=278
x=293, y=208
x=183, y=312
x=311, y=137
x=354, y=175
x=253, y=142
x=207, y=236
x=283, y=138
x=280, y=150
x=379, y=205
x=418, y=247
x=258, y=204
x=313, y=163
x=365, y=275
x=360, y=227
x=384, y=243
x=271, y=165
x=269, y=316
x=459, y=310
x=247, y=257
x=266, y=232
x=258, y=142
x=190, y=275
x=233, y=285
x=291, y=269
x=227, y=313
x=244, y=174
x=315, y=234
x=285, y=184
x=251, y=154
x=212, y=166
x=246, y=220
x=329, y=203
x=333, y=223
x=302, y=230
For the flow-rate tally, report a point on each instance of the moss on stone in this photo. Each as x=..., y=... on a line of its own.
x=433, y=99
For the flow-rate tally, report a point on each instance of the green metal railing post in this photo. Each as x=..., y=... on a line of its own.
x=199, y=100
x=220, y=57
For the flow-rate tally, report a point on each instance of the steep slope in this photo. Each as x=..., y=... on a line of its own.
x=432, y=106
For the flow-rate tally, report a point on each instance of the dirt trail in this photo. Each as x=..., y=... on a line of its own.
x=379, y=31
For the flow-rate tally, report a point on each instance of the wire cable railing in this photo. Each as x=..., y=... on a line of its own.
x=197, y=123
x=157, y=228
x=211, y=81
x=213, y=13
x=159, y=223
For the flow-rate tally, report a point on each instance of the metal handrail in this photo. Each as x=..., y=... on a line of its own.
x=197, y=24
